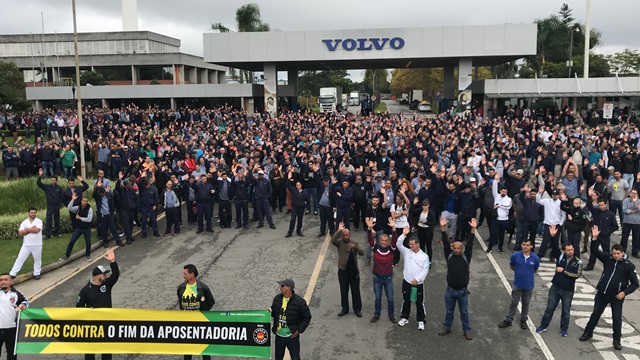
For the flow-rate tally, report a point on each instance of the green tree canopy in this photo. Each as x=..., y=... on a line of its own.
x=92, y=77
x=12, y=88
x=626, y=62
x=311, y=81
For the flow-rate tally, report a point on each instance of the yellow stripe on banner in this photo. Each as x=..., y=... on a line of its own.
x=124, y=314
x=123, y=348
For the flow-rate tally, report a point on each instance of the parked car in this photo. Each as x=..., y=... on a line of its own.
x=424, y=107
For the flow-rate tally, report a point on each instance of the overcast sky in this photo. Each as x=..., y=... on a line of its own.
x=187, y=20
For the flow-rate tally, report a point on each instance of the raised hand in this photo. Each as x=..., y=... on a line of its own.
x=594, y=233
x=443, y=223
x=40, y=172
x=406, y=230
x=473, y=223
x=391, y=223
x=110, y=255
x=341, y=226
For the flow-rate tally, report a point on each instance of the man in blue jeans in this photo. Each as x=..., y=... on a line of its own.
x=458, y=258
x=82, y=217
x=382, y=269
x=568, y=269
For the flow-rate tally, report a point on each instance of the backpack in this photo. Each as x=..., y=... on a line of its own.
x=463, y=257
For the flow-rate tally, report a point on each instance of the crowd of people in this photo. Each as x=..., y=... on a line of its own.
x=559, y=175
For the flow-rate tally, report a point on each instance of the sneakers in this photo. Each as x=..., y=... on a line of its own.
x=63, y=258
x=468, y=336
x=541, y=329
x=403, y=322
x=420, y=325
x=504, y=324
x=564, y=333
x=87, y=258
x=443, y=332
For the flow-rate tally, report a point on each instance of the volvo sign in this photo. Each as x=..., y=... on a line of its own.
x=364, y=44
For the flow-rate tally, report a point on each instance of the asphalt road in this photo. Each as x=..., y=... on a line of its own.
x=242, y=268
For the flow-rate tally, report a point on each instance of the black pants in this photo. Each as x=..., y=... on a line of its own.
x=173, y=220
x=8, y=337
x=406, y=303
x=205, y=211
x=127, y=215
x=242, y=212
x=343, y=216
x=633, y=229
x=278, y=197
x=605, y=241
x=574, y=238
x=204, y=357
x=425, y=236
x=296, y=213
x=463, y=228
x=600, y=304
x=326, y=218
x=53, y=220
x=224, y=211
x=149, y=216
x=107, y=223
x=293, y=344
x=498, y=228
x=396, y=254
x=552, y=241
x=358, y=214
x=528, y=231
x=347, y=281
x=93, y=357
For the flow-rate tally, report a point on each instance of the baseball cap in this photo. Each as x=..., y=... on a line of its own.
x=100, y=270
x=287, y=282
x=611, y=168
x=520, y=172
x=555, y=192
x=260, y=172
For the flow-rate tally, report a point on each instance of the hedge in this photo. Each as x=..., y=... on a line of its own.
x=17, y=196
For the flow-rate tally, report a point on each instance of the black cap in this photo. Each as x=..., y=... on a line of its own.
x=100, y=270
x=555, y=192
x=287, y=282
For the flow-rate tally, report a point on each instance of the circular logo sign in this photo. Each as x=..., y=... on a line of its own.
x=260, y=336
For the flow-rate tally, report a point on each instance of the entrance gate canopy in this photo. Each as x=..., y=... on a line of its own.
x=371, y=48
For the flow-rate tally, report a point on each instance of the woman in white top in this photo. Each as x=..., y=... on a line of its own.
x=400, y=216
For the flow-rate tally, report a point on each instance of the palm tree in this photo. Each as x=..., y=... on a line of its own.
x=248, y=19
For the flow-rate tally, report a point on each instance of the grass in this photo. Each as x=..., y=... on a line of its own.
x=52, y=249
x=381, y=108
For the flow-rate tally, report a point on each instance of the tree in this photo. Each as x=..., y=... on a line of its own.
x=377, y=77
x=626, y=62
x=12, y=88
x=566, y=14
x=248, y=19
x=312, y=81
x=405, y=80
x=92, y=77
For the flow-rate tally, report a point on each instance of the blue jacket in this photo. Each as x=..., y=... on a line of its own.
x=344, y=201
x=148, y=197
x=566, y=280
x=239, y=190
x=262, y=188
x=53, y=193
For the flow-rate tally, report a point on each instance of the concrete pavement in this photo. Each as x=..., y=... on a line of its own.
x=242, y=268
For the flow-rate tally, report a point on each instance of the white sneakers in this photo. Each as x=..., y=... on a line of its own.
x=420, y=325
x=403, y=322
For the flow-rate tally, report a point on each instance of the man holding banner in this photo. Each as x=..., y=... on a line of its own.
x=291, y=316
x=97, y=293
x=194, y=296
x=11, y=301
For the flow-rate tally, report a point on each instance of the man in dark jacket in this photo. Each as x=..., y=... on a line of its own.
x=299, y=199
x=97, y=293
x=240, y=194
x=360, y=191
x=326, y=203
x=262, y=194
x=105, y=207
x=127, y=205
x=194, y=295
x=223, y=187
x=149, y=200
x=11, y=162
x=606, y=222
x=468, y=208
x=618, y=280
x=344, y=198
x=73, y=189
x=53, y=193
x=291, y=317
x=576, y=220
x=204, y=193
x=532, y=214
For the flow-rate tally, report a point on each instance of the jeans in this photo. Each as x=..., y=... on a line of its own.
x=630, y=178
x=616, y=205
x=450, y=298
x=47, y=167
x=313, y=196
x=546, y=239
x=68, y=172
x=555, y=295
x=516, y=295
x=107, y=223
x=633, y=229
x=87, y=241
x=386, y=283
x=600, y=303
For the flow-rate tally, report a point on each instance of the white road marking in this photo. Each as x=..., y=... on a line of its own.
x=541, y=343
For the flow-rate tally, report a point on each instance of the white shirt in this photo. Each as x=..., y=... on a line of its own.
x=552, y=213
x=400, y=222
x=8, y=304
x=416, y=264
x=32, y=239
x=504, y=202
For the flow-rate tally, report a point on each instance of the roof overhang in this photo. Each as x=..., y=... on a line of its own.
x=566, y=87
x=372, y=48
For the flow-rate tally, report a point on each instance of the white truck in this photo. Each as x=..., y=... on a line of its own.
x=345, y=102
x=330, y=99
x=415, y=100
x=354, y=98
x=404, y=98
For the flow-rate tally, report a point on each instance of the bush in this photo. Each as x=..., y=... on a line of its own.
x=19, y=195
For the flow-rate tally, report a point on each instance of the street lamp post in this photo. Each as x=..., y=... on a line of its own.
x=587, y=38
x=79, y=98
x=570, y=62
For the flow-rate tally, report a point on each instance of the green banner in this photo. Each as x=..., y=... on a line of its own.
x=135, y=331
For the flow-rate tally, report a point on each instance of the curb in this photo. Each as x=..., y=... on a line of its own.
x=78, y=254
